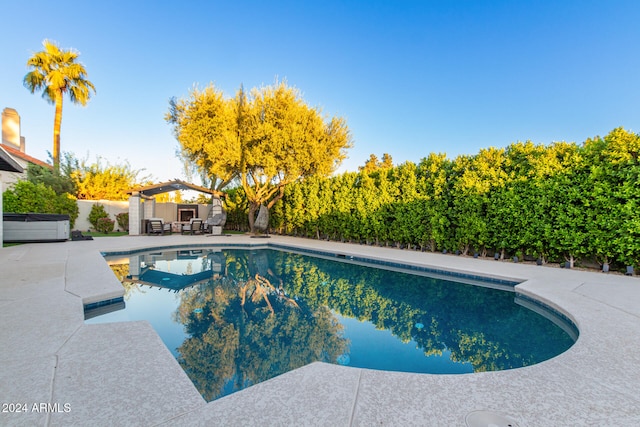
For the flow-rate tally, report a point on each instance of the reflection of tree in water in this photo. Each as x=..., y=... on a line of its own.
x=122, y=271
x=268, y=312
x=477, y=325
x=245, y=328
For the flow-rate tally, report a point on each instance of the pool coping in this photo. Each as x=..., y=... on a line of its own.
x=103, y=372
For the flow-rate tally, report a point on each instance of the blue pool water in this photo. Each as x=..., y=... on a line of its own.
x=235, y=317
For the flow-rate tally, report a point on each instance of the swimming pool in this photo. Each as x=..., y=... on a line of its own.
x=235, y=317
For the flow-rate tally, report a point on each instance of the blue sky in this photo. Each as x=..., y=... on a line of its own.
x=410, y=77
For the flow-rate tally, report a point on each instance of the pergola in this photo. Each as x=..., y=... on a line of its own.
x=137, y=212
x=166, y=187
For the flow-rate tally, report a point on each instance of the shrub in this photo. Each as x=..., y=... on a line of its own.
x=105, y=225
x=97, y=212
x=123, y=220
x=28, y=197
x=67, y=204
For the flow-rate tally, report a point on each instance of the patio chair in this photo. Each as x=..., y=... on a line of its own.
x=157, y=226
x=193, y=227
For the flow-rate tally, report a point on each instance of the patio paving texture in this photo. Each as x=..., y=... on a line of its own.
x=59, y=371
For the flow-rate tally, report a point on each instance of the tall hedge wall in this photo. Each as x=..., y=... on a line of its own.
x=558, y=202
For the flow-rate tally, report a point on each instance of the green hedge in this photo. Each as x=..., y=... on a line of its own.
x=558, y=202
x=27, y=197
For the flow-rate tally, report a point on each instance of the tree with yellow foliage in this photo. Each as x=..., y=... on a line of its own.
x=264, y=140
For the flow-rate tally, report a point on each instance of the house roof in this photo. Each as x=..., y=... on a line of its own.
x=165, y=187
x=23, y=156
x=7, y=163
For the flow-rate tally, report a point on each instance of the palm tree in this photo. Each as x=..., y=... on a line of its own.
x=56, y=73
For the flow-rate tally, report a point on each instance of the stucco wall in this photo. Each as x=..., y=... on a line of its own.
x=113, y=208
x=1, y=212
x=10, y=178
x=167, y=211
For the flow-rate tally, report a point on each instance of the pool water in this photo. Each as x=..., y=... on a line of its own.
x=236, y=317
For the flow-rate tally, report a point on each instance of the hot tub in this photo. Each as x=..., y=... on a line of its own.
x=35, y=227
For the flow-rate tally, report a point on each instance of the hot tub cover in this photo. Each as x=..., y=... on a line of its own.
x=33, y=217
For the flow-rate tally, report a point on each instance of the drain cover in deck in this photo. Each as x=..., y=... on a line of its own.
x=488, y=419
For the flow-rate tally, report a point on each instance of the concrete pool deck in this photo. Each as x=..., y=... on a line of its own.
x=58, y=371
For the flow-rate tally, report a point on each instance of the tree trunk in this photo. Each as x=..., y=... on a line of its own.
x=261, y=224
x=57, y=123
x=252, y=216
x=571, y=260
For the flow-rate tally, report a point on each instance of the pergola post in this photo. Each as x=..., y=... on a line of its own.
x=135, y=214
x=149, y=207
x=134, y=266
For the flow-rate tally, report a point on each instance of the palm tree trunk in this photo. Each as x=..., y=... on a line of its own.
x=57, y=122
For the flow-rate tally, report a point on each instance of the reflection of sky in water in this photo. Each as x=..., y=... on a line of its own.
x=179, y=266
x=380, y=349
x=155, y=305
x=188, y=262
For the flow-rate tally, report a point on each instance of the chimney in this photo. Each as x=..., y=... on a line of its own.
x=11, y=129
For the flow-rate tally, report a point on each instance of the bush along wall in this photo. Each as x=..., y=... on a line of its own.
x=561, y=202
x=28, y=197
